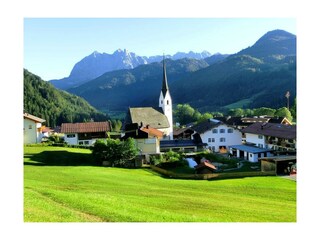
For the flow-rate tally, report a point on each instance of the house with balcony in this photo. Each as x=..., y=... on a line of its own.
x=265, y=140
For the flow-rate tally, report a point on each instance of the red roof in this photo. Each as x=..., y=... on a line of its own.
x=87, y=127
x=152, y=131
x=205, y=165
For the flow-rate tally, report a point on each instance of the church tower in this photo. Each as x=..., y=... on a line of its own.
x=165, y=101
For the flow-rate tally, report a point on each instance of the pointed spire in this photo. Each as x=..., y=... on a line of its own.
x=165, y=87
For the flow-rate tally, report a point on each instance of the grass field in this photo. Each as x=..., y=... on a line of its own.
x=63, y=185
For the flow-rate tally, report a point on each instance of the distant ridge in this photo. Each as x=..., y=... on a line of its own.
x=96, y=64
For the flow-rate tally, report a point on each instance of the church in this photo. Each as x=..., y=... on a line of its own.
x=159, y=118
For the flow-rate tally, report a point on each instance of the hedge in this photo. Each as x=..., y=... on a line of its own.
x=210, y=176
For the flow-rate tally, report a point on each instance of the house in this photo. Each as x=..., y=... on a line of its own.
x=205, y=167
x=84, y=133
x=32, y=128
x=264, y=139
x=217, y=135
x=274, y=136
x=147, y=138
x=158, y=118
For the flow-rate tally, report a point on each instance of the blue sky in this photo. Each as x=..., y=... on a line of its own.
x=53, y=45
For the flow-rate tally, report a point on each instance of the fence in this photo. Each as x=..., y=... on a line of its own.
x=211, y=175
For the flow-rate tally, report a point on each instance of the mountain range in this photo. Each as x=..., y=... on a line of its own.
x=258, y=76
x=96, y=64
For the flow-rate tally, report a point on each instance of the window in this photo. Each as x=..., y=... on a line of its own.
x=81, y=143
x=213, y=149
x=30, y=126
x=260, y=145
x=222, y=130
x=212, y=139
x=86, y=142
x=260, y=136
x=230, y=130
x=71, y=135
x=215, y=131
x=167, y=102
x=161, y=102
x=209, y=139
x=222, y=139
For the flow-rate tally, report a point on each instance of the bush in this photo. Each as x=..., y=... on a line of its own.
x=114, y=151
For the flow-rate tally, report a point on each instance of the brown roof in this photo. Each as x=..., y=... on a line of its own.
x=87, y=127
x=177, y=132
x=33, y=118
x=205, y=165
x=272, y=129
x=152, y=131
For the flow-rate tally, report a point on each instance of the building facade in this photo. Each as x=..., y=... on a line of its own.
x=32, y=128
x=217, y=135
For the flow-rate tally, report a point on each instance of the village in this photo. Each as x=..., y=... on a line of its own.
x=269, y=141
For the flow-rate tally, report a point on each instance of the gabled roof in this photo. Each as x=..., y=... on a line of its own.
x=87, y=127
x=152, y=131
x=272, y=129
x=148, y=116
x=205, y=126
x=177, y=132
x=33, y=118
x=205, y=165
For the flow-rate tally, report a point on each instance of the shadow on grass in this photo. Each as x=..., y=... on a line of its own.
x=59, y=158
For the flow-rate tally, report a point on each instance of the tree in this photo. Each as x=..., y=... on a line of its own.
x=293, y=109
x=114, y=151
x=283, y=112
x=237, y=112
x=205, y=117
x=264, y=111
x=184, y=114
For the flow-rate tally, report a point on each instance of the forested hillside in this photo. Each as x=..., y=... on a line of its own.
x=55, y=106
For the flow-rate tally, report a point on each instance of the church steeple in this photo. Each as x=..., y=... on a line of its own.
x=165, y=102
x=165, y=87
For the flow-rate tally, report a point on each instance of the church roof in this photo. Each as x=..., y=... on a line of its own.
x=149, y=116
x=165, y=87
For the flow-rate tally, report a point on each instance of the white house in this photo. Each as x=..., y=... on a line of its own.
x=217, y=135
x=262, y=139
x=32, y=128
x=84, y=133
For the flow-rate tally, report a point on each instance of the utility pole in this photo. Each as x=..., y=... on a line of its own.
x=287, y=96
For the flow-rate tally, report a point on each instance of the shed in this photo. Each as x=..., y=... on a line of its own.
x=280, y=165
x=205, y=168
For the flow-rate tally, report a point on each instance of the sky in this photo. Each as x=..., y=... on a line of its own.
x=52, y=46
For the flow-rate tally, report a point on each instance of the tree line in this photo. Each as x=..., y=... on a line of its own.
x=184, y=113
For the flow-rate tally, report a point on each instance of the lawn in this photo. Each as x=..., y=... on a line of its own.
x=63, y=185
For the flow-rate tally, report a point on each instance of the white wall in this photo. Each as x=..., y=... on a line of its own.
x=30, y=132
x=234, y=138
x=71, y=140
x=254, y=138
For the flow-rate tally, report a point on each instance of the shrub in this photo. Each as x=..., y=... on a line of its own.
x=116, y=152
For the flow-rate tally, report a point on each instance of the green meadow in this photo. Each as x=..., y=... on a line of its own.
x=64, y=185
